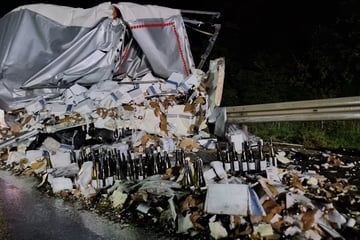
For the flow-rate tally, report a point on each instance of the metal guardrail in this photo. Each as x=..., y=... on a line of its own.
x=346, y=108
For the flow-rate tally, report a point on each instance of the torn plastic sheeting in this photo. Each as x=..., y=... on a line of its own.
x=86, y=60
x=149, y=26
x=52, y=66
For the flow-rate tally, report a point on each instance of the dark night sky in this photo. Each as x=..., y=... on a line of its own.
x=250, y=24
x=253, y=17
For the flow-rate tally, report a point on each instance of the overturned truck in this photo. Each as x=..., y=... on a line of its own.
x=114, y=66
x=108, y=105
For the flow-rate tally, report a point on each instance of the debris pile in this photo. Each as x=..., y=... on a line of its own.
x=293, y=193
x=124, y=128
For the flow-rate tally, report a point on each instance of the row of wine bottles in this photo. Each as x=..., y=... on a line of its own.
x=128, y=165
x=111, y=163
x=252, y=158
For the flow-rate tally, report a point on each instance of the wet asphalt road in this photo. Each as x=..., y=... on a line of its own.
x=25, y=214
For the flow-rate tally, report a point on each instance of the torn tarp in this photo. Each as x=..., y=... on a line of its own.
x=85, y=46
x=158, y=31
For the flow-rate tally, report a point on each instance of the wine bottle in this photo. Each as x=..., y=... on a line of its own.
x=251, y=160
x=46, y=157
x=200, y=179
x=244, y=161
x=103, y=167
x=262, y=158
x=237, y=163
x=177, y=157
x=182, y=157
x=255, y=151
x=154, y=162
x=148, y=165
x=233, y=162
x=227, y=161
x=219, y=154
x=140, y=167
x=187, y=182
x=272, y=154
x=160, y=160
x=167, y=161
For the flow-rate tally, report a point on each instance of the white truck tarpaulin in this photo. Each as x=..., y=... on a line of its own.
x=47, y=48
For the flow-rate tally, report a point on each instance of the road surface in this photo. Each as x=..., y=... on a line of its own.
x=26, y=214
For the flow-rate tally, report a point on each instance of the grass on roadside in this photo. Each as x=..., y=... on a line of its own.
x=312, y=134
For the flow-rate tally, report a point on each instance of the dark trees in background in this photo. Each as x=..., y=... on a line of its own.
x=276, y=51
x=323, y=62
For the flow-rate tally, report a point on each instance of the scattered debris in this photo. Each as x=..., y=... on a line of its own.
x=136, y=145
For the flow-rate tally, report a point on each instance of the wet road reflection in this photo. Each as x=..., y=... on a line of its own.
x=26, y=214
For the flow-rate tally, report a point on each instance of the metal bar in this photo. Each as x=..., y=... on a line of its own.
x=216, y=14
x=210, y=46
x=297, y=117
x=331, y=102
x=18, y=139
x=60, y=127
x=335, y=110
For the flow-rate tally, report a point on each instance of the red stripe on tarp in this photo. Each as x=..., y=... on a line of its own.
x=152, y=25
x=167, y=24
x=181, y=51
x=123, y=58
